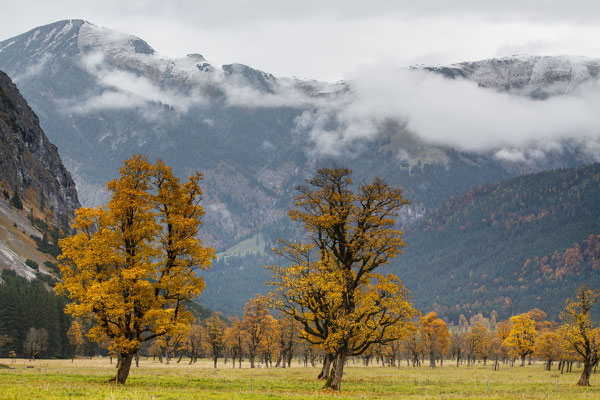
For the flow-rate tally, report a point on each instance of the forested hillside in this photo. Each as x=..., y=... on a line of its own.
x=511, y=246
x=29, y=304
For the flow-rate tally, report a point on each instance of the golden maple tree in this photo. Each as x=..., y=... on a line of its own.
x=522, y=335
x=331, y=287
x=214, y=336
x=548, y=347
x=502, y=331
x=270, y=344
x=255, y=324
x=235, y=339
x=133, y=264
x=479, y=342
x=434, y=336
x=194, y=343
x=580, y=331
x=288, y=340
x=75, y=338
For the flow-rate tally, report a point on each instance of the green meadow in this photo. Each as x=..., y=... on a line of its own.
x=86, y=379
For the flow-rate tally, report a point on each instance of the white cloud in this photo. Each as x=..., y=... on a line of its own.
x=328, y=39
x=439, y=111
x=126, y=90
x=454, y=113
x=33, y=70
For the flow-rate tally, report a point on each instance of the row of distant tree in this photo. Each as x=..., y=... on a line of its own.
x=262, y=339
x=131, y=268
x=524, y=336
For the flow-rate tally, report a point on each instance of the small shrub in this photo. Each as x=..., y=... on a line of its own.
x=32, y=264
x=16, y=201
x=52, y=266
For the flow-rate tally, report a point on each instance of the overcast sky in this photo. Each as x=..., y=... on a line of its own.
x=331, y=39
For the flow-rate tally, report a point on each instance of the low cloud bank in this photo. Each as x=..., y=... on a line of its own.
x=439, y=111
x=456, y=113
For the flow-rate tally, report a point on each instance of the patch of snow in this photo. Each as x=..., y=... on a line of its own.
x=32, y=37
x=526, y=74
x=7, y=45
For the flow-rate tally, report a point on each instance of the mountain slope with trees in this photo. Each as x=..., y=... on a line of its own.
x=38, y=197
x=241, y=127
x=511, y=246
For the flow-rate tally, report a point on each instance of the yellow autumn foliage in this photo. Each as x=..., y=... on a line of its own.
x=522, y=335
x=330, y=285
x=133, y=264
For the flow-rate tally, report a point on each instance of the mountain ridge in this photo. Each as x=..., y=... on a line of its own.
x=103, y=96
x=531, y=75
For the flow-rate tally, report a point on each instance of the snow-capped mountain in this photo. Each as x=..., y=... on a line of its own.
x=102, y=96
x=536, y=76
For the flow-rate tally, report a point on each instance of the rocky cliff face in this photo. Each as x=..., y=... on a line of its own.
x=29, y=163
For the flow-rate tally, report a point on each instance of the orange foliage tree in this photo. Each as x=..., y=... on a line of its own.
x=435, y=337
x=235, y=338
x=548, y=347
x=75, y=338
x=133, y=264
x=255, y=324
x=581, y=332
x=522, y=336
x=331, y=287
x=214, y=336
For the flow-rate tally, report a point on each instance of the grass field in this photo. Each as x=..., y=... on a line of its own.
x=253, y=245
x=86, y=379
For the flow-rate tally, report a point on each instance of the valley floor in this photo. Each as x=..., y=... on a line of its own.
x=86, y=379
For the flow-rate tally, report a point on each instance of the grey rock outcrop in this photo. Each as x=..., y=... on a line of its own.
x=29, y=163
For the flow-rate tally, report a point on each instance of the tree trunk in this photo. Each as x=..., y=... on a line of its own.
x=251, y=361
x=137, y=360
x=585, y=374
x=215, y=362
x=124, y=367
x=324, y=374
x=431, y=360
x=240, y=362
x=522, y=361
x=334, y=382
